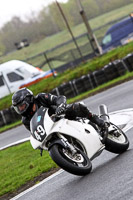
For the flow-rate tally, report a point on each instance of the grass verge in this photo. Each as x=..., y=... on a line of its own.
x=21, y=164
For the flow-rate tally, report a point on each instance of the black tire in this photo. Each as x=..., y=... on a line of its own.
x=68, y=164
x=115, y=144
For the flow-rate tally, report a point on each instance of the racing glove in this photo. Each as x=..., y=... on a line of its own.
x=60, y=109
x=97, y=120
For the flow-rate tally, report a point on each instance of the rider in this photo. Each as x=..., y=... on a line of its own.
x=26, y=104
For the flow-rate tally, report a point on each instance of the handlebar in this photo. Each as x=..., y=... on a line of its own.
x=56, y=117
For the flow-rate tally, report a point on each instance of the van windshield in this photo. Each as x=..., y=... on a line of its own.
x=107, y=39
x=13, y=77
x=118, y=32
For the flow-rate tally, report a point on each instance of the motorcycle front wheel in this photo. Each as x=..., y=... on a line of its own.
x=116, y=142
x=77, y=164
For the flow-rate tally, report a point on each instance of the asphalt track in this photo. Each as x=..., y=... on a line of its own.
x=112, y=175
x=13, y=135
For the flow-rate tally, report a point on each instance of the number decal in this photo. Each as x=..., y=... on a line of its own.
x=40, y=131
x=37, y=135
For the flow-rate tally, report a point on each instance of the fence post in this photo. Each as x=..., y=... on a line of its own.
x=49, y=64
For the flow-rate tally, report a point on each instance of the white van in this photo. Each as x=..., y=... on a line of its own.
x=15, y=73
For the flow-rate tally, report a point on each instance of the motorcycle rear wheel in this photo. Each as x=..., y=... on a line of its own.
x=117, y=144
x=77, y=165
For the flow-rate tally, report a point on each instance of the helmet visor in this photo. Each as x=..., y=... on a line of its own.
x=21, y=108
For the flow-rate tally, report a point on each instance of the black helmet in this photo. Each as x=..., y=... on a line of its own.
x=22, y=101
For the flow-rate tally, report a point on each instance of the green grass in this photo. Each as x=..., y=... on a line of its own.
x=21, y=163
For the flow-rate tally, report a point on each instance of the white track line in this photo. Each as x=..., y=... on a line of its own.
x=37, y=185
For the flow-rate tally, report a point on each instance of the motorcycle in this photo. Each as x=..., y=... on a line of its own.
x=73, y=144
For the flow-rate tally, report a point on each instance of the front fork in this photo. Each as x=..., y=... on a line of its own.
x=67, y=144
x=64, y=142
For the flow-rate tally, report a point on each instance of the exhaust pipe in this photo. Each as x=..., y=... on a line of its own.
x=103, y=112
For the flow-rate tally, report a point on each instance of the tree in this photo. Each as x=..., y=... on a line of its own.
x=2, y=48
x=48, y=22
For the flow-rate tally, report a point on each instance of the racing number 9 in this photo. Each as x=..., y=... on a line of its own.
x=40, y=131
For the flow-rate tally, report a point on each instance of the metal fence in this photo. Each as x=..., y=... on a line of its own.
x=66, y=55
x=63, y=56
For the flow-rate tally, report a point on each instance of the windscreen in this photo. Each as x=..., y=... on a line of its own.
x=118, y=31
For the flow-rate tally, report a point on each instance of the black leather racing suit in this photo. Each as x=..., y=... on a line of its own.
x=72, y=110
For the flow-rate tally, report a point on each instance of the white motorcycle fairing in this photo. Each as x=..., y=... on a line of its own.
x=72, y=144
x=84, y=133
